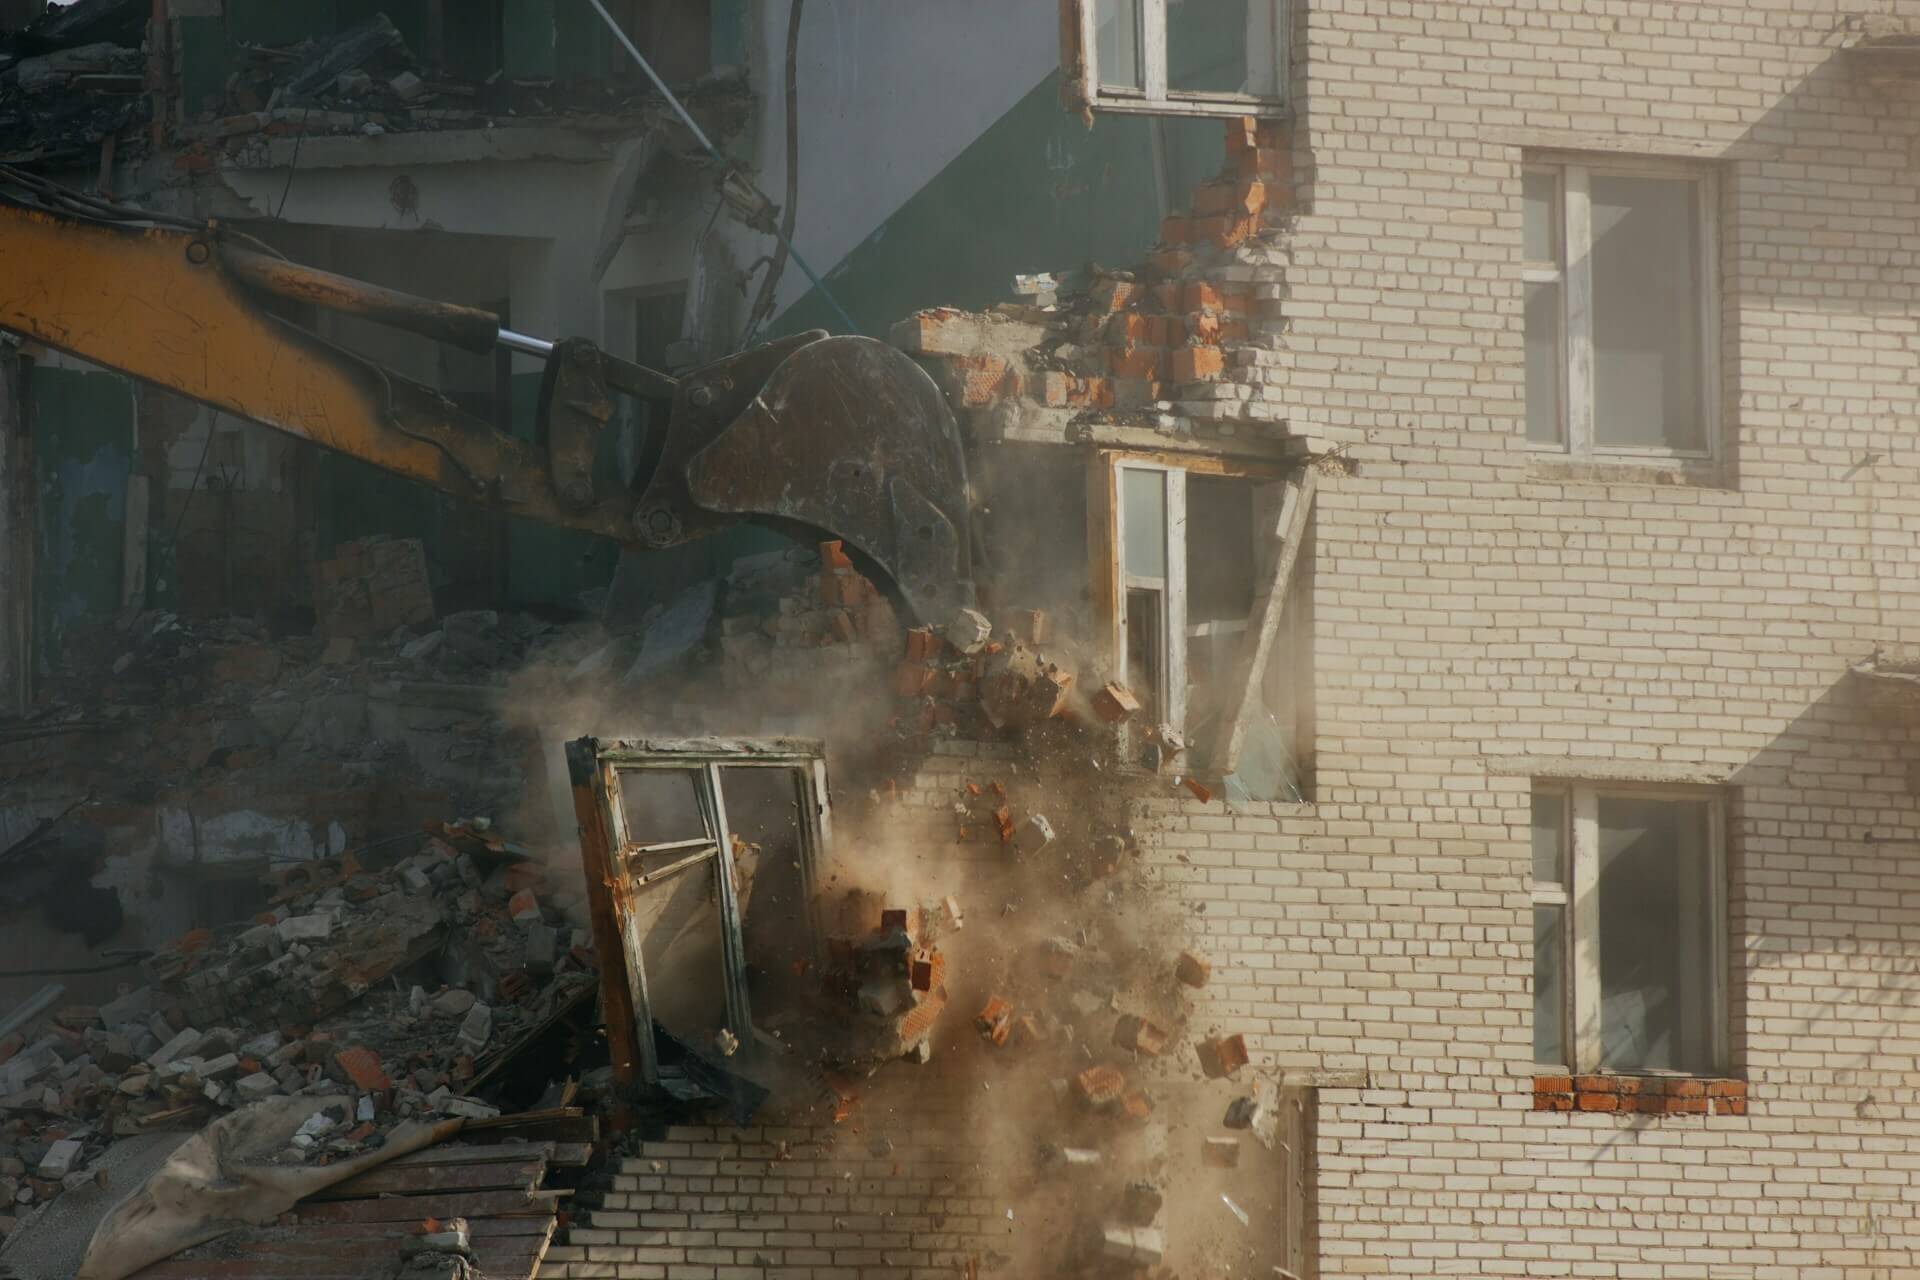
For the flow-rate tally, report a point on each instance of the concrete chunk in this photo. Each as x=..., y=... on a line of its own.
x=256, y=1086
x=1139, y=1246
x=60, y=1159
x=477, y=1029
x=179, y=1047
x=311, y=928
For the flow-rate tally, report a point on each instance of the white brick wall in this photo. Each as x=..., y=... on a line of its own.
x=1474, y=606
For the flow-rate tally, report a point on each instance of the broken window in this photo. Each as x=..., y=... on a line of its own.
x=1191, y=546
x=1628, y=929
x=1179, y=57
x=1620, y=306
x=700, y=857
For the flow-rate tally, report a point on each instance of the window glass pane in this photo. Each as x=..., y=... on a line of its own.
x=678, y=921
x=1143, y=503
x=1549, y=837
x=1647, y=344
x=1207, y=43
x=1117, y=43
x=765, y=818
x=1539, y=196
x=1549, y=985
x=661, y=805
x=1656, y=934
x=1544, y=364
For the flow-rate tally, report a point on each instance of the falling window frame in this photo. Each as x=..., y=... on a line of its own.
x=1576, y=895
x=1570, y=270
x=1106, y=508
x=594, y=768
x=1080, y=57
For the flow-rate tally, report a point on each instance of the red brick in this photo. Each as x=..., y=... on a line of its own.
x=1195, y=364
x=1223, y=1056
x=1237, y=302
x=1114, y=703
x=1101, y=1086
x=1166, y=331
x=1171, y=261
x=1687, y=1106
x=1243, y=133
x=1224, y=230
x=1137, y=1107
x=1199, y=294
x=1066, y=390
x=522, y=903
x=1726, y=1088
x=1214, y=197
x=1687, y=1088
x=1553, y=1084
x=1250, y=199
x=980, y=380
x=1135, y=362
x=910, y=679
x=1200, y=790
x=1192, y=970
x=361, y=1066
x=995, y=1020
x=1108, y=294
x=833, y=555
x=1177, y=228
x=1204, y=328
x=1593, y=1084
x=1597, y=1102
x=1729, y=1106
x=1553, y=1102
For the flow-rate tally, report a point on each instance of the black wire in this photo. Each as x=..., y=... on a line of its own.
x=293, y=165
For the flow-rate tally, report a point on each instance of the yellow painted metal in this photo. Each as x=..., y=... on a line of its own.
x=157, y=304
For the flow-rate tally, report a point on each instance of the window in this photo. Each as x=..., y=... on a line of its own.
x=1629, y=905
x=701, y=859
x=1190, y=548
x=1182, y=57
x=1620, y=309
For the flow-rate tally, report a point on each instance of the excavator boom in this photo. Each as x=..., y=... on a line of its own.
x=832, y=437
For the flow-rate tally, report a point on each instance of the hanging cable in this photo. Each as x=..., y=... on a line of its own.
x=706, y=143
x=763, y=305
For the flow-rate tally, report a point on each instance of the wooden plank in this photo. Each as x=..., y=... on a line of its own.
x=460, y=1153
x=562, y=1124
x=472, y=1204
x=420, y=1180
x=1243, y=688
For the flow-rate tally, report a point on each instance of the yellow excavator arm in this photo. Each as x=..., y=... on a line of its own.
x=834, y=437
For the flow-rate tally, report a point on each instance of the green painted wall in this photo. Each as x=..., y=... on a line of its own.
x=1037, y=191
x=83, y=440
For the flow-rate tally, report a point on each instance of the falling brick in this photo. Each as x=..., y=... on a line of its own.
x=1100, y=1086
x=1222, y=1056
x=1200, y=790
x=1191, y=970
x=1114, y=703
x=1138, y=1035
x=361, y=1066
x=995, y=1020
x=1221, y=1153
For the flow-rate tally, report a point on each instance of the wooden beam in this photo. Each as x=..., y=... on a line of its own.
x=1269, y=605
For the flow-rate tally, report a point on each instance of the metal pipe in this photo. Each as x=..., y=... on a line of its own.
x=467, y=327
x=792, y=251
x=521, y=342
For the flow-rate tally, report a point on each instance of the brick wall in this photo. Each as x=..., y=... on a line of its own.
x=1484, y=614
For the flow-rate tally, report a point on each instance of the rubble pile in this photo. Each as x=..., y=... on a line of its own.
x=61, y=105
x=366, y=81
x=402, y=989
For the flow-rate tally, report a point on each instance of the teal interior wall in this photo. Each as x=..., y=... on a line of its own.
x=83, y=439
x=1037, y=191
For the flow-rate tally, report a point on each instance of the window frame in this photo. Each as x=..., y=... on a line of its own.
x=1106, y=515
x=1573, y=272
x=610, y=851
x=1578, y=895
x=1153, y=97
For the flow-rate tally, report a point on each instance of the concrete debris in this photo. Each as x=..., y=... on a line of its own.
x=1134, y=1246
x=1235, y=1210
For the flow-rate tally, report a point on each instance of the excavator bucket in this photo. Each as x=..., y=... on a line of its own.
x=823, y=437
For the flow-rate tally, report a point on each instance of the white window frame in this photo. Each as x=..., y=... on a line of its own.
x=1172, y=588
x=1579, y=894
x=1154, y=97
x=1573, y=272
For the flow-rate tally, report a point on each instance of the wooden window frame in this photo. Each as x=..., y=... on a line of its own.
x=608, y=850
x=1154, y=97
x=1573, y=272
x=1578, y=894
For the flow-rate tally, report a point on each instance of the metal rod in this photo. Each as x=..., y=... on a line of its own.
x=467, y=327
x=521, y=342
x=619, y=33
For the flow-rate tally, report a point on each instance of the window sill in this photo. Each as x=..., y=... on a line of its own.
x=1642, y=1095
x=1560, y=469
